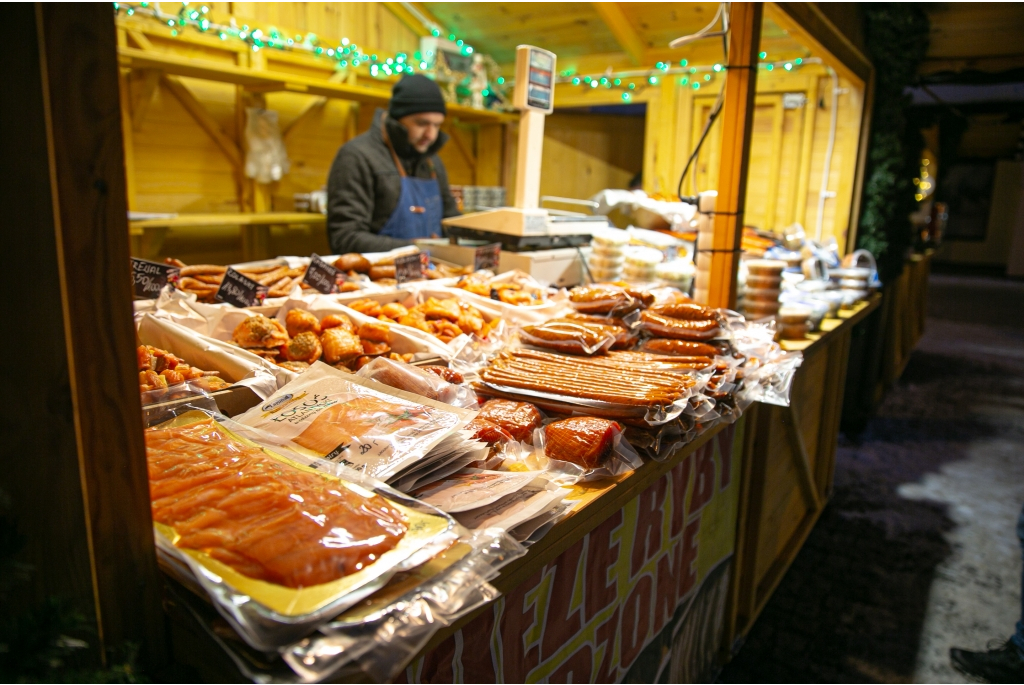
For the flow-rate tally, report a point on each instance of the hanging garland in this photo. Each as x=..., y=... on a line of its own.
x=345, y=55
x=634, y=82
x=897, y=40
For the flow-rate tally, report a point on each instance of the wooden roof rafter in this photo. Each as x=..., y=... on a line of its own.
x=625, y=34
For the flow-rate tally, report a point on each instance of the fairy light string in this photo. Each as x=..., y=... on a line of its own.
x=346, y=54
x=634, y=82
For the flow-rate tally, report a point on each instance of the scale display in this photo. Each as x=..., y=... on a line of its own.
x=535, y=79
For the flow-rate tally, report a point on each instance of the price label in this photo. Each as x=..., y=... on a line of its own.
x=240, y=290
x=322, y=276
x=149, y=278
x=411, y=267
x=487, y=257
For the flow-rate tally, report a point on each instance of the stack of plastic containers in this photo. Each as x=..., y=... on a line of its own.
x=642, y=263
x=793, y=321
x=677, y=273
x=705, y=242
x=607, y=254
x=764, y=284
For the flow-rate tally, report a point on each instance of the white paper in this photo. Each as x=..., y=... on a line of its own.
x=511, y=510
x=472, y=489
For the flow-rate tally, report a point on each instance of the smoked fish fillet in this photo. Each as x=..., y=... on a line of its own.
x=260, y=516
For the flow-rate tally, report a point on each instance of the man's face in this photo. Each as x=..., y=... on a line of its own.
x=423, y=128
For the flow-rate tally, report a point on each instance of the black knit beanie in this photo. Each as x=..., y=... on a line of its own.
x=414, y=94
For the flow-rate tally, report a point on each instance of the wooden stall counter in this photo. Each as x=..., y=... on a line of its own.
x=638, y=570
x=786, y=476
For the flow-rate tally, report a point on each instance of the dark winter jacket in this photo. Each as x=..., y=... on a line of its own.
x=364, y=185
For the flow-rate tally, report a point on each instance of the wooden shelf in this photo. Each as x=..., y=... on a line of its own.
x=272, y=81
x=147, y=235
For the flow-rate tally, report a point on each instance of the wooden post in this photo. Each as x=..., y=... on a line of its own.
x=87, y=480
x=737, y=116
x=528, y=160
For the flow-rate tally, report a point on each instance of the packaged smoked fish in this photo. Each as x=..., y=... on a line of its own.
x=596, y=445
x=331, y=417
x=279, y=547
x=379, y=637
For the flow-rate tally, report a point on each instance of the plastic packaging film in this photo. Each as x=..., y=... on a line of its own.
x=278, y=546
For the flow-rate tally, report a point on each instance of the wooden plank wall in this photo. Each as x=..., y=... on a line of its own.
x=787, y=151
x=175, y=165
x=586, y=153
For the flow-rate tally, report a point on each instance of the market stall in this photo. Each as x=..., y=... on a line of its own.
x=619, y=472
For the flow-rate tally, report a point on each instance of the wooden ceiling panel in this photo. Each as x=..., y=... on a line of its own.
x=568, y=29
x=658, y=23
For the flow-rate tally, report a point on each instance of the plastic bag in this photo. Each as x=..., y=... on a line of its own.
x=595, y=445
x=608, y=298
x=383, y=636
x=333, y=417
x=572, y=337
x=617, y=385
x=417, y=381
x=266, y=158
x=273, y=599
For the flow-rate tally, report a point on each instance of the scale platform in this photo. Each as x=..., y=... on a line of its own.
x=523, y=230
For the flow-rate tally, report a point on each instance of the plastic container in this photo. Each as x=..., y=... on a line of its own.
x=794, y=331
x=757, y=281
x=762, y=295
x=793, y=314
x=760, y=310
x=605, y=263
x=609, y=237
x=765, y=267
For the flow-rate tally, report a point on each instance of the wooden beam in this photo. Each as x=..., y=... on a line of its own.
x=143, y=97
x=77, y=51
x=862, y=163
x=408, y=18
x=808, y=25
x=625, y=35
x=736, y=120
x=313, y=106
x=204, y=119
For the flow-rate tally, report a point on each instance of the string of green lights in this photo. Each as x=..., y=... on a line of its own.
x=345, y=54
x=695, y=76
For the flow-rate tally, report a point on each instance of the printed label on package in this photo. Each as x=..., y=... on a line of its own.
x=322, y=276
x=240, y=291
x=487, y=257
x=410, y=267
x=149, y=278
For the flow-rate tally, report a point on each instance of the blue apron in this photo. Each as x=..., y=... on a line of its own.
x=419, y=210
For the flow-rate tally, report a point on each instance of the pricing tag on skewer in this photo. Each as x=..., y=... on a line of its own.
x=240, y=290
x=322, y=276
x=411, y=267
x=149, y=278
x=487, y=257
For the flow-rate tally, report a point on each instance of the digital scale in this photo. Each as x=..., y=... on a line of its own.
x=542, y=243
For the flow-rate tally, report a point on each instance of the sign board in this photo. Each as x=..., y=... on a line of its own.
x=322, y=276
x=411, y=268
x=240, y=290
x=487, y=257
x=535, y=79
x=149, y=278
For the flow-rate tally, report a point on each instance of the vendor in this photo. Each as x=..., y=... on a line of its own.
x=387, y=187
